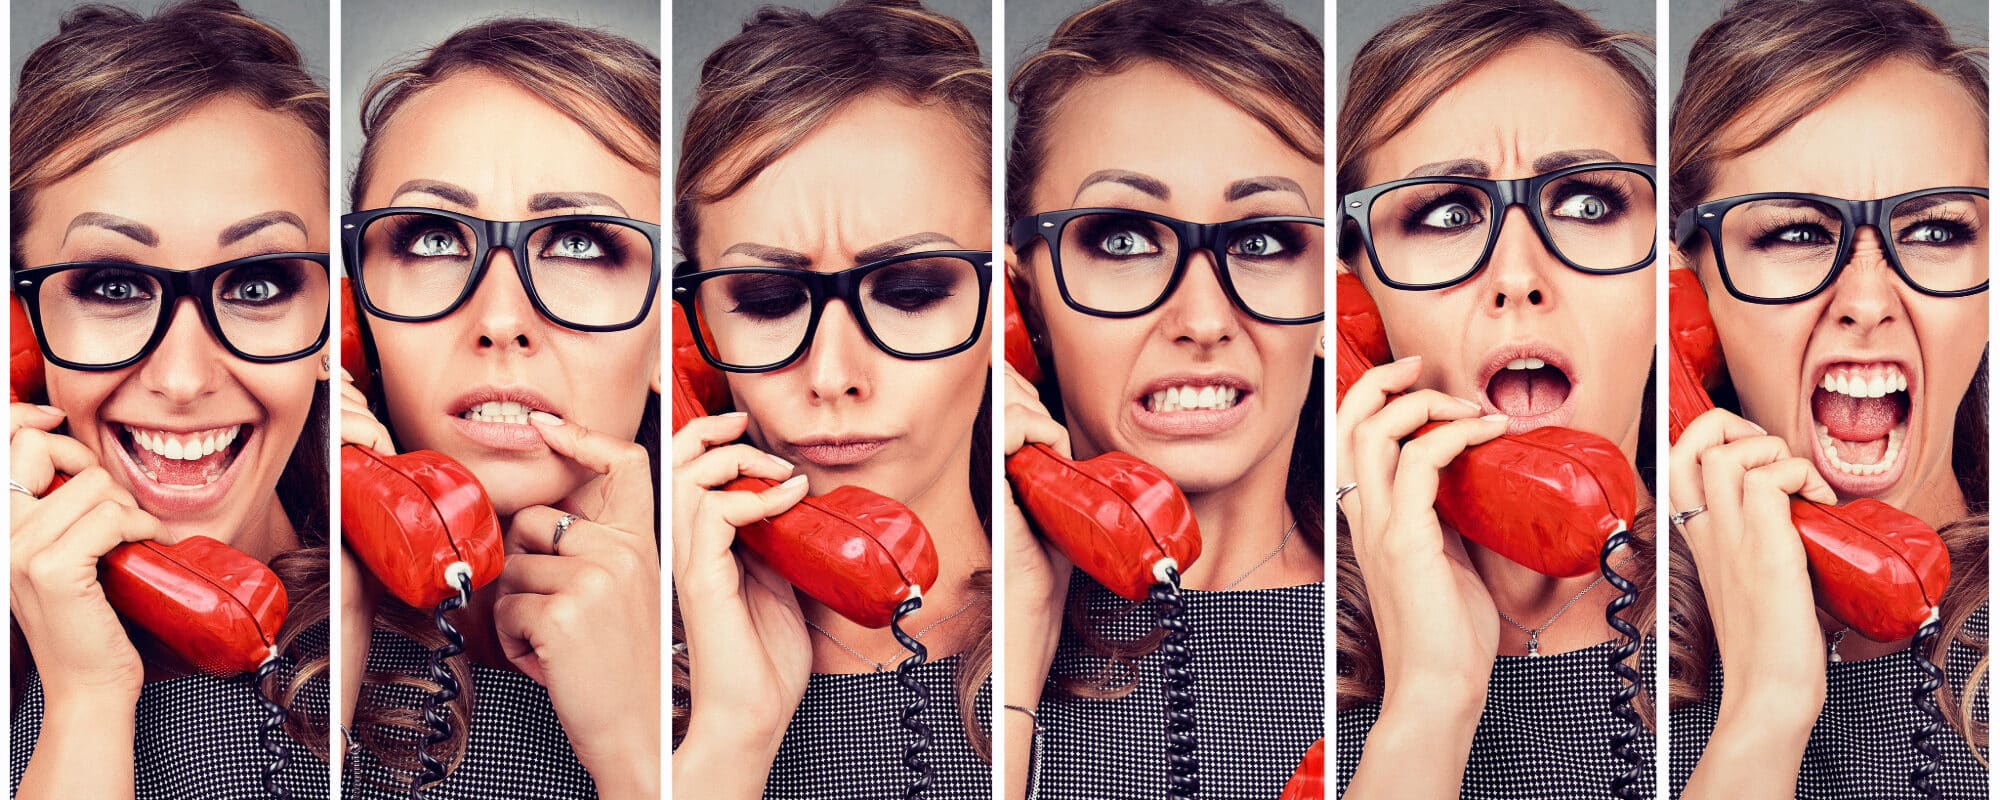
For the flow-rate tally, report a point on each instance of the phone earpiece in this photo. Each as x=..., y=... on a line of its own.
x=238, y=602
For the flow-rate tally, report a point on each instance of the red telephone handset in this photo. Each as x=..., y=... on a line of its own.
x=419, y=521
x=1875, y=568
x=1120, y=520
x=1545, y=499
x=857, y=552
x=209, y=605
x=1309, y=781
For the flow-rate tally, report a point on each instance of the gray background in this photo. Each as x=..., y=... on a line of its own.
x=35, y=21
x=1967, y=19
x=1360, y=19
x=700, y=27
x=375, y=33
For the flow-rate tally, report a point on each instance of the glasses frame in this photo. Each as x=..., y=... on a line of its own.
x=825, y=287
x=489, y=235
x=196, y=284
x=1706, y=218
x=1049, y=226
x=1503, y=194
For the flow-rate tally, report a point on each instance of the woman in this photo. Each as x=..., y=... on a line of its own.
x=1546, y=321
x=1787, y=98
x=1205, y=366
x=837, y=145
x=537, y=371
x=181, y=434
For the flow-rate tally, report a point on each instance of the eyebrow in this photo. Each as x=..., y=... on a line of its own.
x=781, y=257
x=132, y=229
x=551, y=201
x=1475, y=168
x=1264, y=183
x=1144, y=183
x=449, y=192
x=242, y=230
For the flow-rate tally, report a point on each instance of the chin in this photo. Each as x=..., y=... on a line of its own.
x=514, y=486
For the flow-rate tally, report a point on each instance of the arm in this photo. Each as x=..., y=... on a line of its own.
x=85, y=747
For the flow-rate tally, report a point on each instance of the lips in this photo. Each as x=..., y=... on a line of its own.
x=841, y=451
x=1861, y=424
x=1193, y=404
x=184, y=470
x=1533, y=383
x=497, y=417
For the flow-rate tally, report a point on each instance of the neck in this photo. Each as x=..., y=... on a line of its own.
x=1242, y=523
x=1531, y=598
x=1937, y=499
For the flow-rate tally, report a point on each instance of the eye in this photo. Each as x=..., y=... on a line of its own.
x=118, y=290
x=1799, y=234
x=1587, y=207
x=261, y=290
x=574, y=245
x=435, y=243
x=1258, y=244
x=1450, y=216
x=1929, y=233
x=1126, y=243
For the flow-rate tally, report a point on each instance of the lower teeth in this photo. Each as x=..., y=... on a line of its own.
x=1889, y=454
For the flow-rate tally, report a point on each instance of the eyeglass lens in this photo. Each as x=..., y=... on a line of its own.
x=107, y=314
x=1433, y=233
x=916, y=307
x=1785, y=247
x=586, y=272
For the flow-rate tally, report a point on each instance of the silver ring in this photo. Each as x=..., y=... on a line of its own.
x=562, y=527
x=1681, y=517
x=1340, y=492
x=16, y=486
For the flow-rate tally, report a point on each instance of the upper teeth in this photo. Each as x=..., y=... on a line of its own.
x=1186, y=398
x=1865, y=382
x=184, y=446
x=1527, y=363
x=498, y=411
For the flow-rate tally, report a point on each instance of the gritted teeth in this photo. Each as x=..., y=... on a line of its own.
x=1193, y=397
x=502, y=412
x=1831, y=447
x=184, y=446
x=1864, y=380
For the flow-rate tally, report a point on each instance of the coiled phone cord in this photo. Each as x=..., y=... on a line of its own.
x=434, y=705
x=920, y=699
x=271, y=728
x=1626, y=785
x=1925, y=696
x=1181, y=766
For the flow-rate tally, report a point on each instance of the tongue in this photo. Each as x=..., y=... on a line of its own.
x=177, y=472
x=1857, y=419
x=1528, y=392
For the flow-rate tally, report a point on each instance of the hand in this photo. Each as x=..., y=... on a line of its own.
x=1037, y=574
x=581, y=616
x=78, y=644
x=358, y=425
x=748, y=652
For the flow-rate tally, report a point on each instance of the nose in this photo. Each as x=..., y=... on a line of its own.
x=503, y=319
x=1517, y=271
x=1864, y=296
x=1199, y=312
x=188, y=364
x=836, y=365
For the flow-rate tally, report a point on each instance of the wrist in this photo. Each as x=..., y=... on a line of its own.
x=726, y=769
x=116, y=694
x=1448, y=709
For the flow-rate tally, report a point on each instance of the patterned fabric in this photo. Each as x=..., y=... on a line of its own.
x=1860, y=747
x=846, y=740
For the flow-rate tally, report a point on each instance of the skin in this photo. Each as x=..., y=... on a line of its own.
x=841, y=190
x=1436, y=596
x=1234, y=479
x=1751, y=562
x=576, y=621
x=164, y=181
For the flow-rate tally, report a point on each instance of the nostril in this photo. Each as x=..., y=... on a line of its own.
x=1535, y=297
x=1499, y=301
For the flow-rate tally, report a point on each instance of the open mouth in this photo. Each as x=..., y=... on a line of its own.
x=497, y=419
x=1861, y=419
x=183, y=460
x=1193, y=405
x=1533, y=387
x=498, y=412
x=1193, y=397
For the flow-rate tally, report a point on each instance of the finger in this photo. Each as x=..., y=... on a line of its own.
x=533, y=530
x=364, y=430
x=724, y=464
x=516, y=618
x=1375, y=444
x=29, y=415
x=537, y=573
x=1376, y=387
x=1416, y=482
x=1025, y=425
x=627, y=469
x=36, y=523
x=106, y=525
x=1768, y=490
x=1722, y=470
x=36, y=457
x=1713, y=428
x=737, y=509
x=705, y=432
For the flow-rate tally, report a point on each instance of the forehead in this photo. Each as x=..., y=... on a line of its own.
x=1898, y=127
x=1535, y=98
x=503, y=143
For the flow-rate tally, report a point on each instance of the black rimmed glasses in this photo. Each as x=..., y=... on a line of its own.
x=912, y=306
x=106, y=315
x=1436, y=232
x=1783, y=247
x=1115, y=262
x=586, y=272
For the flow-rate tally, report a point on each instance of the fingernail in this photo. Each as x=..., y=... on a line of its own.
x=51, y=410
x=734, y=414
x=546, y=418
x=1406, y=359
x=1760, y=428
x=796, y=482
x=1472, y=404
x=781, y=462
x=1495, y=417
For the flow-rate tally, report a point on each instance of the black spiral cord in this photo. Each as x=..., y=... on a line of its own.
x=434, y=705
x=1626, y=785
x=913, y=754
x=273, y=727
x=1925, y=696
x=1181, y=766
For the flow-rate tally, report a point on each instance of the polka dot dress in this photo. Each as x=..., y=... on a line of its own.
x=1545, y=732
x=197, y=736
x=1259, y=689
x=846, y=740
x=517, y=747
x=1860, y=747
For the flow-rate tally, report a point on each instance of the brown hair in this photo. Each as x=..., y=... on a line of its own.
x=1795, y=55
x=1396, y=75
x=1268, y=66
x=109, y=77
x=776, y=82
x=608, y=85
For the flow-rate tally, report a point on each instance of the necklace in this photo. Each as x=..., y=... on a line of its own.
x=878, y=665
x=1535, y=634
x=1833, y=644
x=1282, y=541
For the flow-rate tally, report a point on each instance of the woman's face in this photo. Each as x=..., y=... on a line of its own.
x=1898, y=128
x=481, y=145
x=1151, y=139
x=1530, y=110
x=880, y=177
x=165, y=200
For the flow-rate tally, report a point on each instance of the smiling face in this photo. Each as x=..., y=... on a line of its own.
x=1866, y=376
x=1196, y=386
x=166, y=200
x=880, y=177
x=463, y=384
x=1526, y=336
